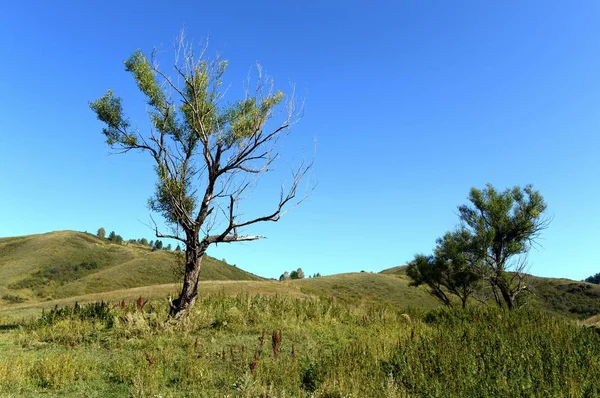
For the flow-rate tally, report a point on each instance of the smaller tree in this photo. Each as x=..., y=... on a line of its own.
x=178, y=248
x=101, y=232
x=428, y=270
x=112, y=236
x=285, y=276
x=294, y=275
x=593, y=279
x=143, y=241
x=451, y=269
x=300, y=273
x=169, y=247
x=158, y=245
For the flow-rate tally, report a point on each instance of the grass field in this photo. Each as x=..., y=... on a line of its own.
x=60, y=268
x=346, y=335
x=280, y=346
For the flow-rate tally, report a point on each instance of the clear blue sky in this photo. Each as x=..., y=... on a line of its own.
x=412, y=103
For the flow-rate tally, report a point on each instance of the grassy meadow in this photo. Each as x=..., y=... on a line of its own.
x=280, y=346
x=84, y=330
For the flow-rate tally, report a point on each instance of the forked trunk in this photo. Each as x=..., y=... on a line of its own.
x=189, y=292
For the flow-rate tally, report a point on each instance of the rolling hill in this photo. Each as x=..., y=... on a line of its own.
x=559, y=296
x=59, y=268
x=63, y=264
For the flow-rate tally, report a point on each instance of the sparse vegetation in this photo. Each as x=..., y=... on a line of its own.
x=13, y=298
x=252, y=345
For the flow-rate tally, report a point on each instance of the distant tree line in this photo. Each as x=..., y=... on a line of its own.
x=486, y=253
x=118, y=239
x=297, y=274
x=593, y=279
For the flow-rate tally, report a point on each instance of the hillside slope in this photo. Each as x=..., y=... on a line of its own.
x=559, y=296
x=67, y=263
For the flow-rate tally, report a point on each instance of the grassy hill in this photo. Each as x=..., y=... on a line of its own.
x=59, y=268
x=399, y=270
x=558, y=296
x=66, y=263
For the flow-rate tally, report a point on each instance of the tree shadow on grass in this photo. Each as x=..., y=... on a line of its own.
x=7, y=327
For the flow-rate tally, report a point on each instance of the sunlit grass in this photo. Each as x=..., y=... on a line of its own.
x=274, y=346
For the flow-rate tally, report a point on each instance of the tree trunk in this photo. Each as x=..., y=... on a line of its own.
x=193, y=260
x=504, y=287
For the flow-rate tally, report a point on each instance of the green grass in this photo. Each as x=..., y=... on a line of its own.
x=346, y=335
x=230, y=346
x=399, y=270
x=367, y=288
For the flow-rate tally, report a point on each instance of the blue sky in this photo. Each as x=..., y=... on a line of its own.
x=411, y=104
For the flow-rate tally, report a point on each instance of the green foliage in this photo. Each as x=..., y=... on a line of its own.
x=593, y=279
x=112, y=236
x=108, y=109
x=504, y=223
x=503, y=226
x=430, y=271
x=94, y=311
x=101, y=232
x=451, y=269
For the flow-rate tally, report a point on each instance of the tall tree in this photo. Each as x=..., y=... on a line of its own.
x=101, y=232
x=206, y=153
x=504, y=226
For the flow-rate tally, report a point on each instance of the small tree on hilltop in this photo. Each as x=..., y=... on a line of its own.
x=112, y=235
x=207, y=151
x=294, y=275
x=101, y=232
x=300, y=273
